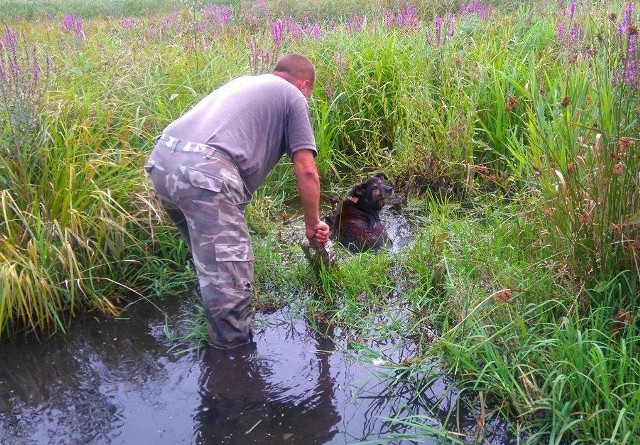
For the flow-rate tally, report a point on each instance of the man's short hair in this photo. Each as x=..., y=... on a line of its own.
x=296, y=66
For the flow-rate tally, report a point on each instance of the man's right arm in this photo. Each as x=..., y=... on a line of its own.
x=304, y=166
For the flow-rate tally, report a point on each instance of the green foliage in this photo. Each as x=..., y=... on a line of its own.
x=520, y=112
x=568, y=378
x=587, y=170
x=25, y=9
x=372, y=111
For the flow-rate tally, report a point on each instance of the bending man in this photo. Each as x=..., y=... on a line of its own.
x=205, y=167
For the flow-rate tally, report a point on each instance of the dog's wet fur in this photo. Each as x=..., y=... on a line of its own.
x=356, y=223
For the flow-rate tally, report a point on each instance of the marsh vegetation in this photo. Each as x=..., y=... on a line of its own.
x=512, y=132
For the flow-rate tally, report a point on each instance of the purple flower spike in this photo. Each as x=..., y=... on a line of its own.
x=315, y=32
x=626, y=20
x=389, y=18
x=438, y=28
x=67, y=23
x=128, y=23
x=276, y=32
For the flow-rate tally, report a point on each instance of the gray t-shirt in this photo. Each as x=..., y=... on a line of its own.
x=253, y=119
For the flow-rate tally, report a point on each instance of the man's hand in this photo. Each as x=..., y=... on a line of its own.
x=318, y=233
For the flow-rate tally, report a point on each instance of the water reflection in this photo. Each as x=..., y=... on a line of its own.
x=248, y=399
x=117, y=382
x=107, y=381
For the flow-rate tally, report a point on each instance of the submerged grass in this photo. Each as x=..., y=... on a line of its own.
x=511, y=130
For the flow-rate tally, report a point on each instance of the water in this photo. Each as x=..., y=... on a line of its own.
x=116, y=381
x=399, y=229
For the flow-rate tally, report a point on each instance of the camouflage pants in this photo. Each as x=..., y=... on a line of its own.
x=203, y=194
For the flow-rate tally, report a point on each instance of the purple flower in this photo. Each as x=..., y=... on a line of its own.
x=199, y=27
x=438, y=28
x=73, y=23
x=10, y=48
x=78, y=28
x=262, y=7
x=259, y=58
x=475, y=7
x=67, y=22
x=389, y=18
x=21, y=84
x=169, y=20
x=575, y=33
x=315, y=31
x=630, y=73
x=407, y=17
x=276, y=32
x=219, y=14
x=451, y=26
x=128, y=23
x=329, y=90
x=10, y=38
x=36, y=67
x=48, y=65
x=626, y=20
x=356, y=23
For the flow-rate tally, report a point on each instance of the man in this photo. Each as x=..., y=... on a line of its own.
x=207, y=164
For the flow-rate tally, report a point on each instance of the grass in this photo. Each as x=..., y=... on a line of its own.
x=24, y=9
x=512, y=131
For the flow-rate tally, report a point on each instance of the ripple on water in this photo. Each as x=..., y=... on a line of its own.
x=116, y=381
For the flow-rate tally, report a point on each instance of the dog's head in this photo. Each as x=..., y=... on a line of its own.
x=371, y=193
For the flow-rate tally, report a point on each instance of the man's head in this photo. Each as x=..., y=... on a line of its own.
x=298, y=70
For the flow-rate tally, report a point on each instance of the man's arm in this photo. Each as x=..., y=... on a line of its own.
x=304, y=166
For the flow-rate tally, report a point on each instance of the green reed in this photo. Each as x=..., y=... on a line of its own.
x=582, y=145
x=516, y=276
x=28, y=10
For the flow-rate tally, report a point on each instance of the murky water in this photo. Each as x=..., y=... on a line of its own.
x=399, y=229
x=115, y=381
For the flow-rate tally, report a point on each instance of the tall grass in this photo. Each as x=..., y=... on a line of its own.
x=582, y=142
x=568, y=378
x=523, y=274
x=24, y=9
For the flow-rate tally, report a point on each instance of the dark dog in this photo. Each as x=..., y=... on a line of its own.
x=356, y=223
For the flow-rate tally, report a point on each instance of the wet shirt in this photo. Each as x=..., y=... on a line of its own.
x=254, y=119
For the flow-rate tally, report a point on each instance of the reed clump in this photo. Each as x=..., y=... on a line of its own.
x=512, y=130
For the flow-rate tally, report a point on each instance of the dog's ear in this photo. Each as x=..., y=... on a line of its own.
x=358, y=190
x=381, y=176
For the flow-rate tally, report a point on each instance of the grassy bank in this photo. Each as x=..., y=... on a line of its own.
x=512, y=132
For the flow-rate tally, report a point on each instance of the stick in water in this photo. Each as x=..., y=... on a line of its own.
x=318, y=255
